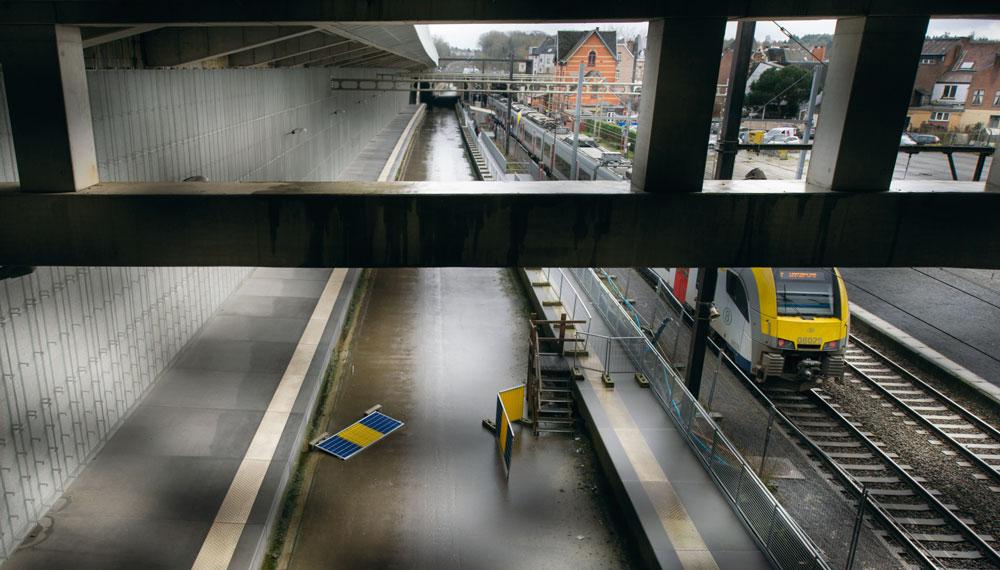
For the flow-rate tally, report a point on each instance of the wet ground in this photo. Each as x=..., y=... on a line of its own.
x=433, y=347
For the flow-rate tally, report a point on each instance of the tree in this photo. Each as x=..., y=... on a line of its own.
x=443, y=47
x=789, y=84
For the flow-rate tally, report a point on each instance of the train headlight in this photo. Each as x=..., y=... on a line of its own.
x=782, y=343
x=832, y=345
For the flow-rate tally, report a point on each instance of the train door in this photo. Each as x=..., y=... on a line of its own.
x=681, y=281
x=733, y=324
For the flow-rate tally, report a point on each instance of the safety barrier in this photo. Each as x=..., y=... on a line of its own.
x=779, y=536
x=574, y=306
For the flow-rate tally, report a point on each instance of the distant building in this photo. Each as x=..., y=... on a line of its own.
x=543, y=57
x=626, y=56
x=597, y=51
x=957, y=87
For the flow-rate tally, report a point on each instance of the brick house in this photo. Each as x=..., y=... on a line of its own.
x=596, y=50
x=957, y=86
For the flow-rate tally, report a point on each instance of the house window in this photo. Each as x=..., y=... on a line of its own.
x=996, y=99
x=940, y=117
x=949, y=92
x=592, y=58
x=977, y=97
x=928, y=60
x=966, y=65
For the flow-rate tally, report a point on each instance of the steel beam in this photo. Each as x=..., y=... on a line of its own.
x=675, y=113
x=732, y=113
x=172, y=47
x=91, y=40
x=295, y=47
x=308, y=12
x=873, y=60
x=585, y=224
x=324, y=55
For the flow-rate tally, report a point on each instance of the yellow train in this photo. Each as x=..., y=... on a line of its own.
x=781, y=322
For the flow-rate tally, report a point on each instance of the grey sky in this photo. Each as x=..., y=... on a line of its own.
x=467, y=35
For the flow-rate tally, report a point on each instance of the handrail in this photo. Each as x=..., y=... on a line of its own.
x=683, y=414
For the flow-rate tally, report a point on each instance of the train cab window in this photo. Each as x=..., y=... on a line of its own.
x=738, y=293
x=805, y=292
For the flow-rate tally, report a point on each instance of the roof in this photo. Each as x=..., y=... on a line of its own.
x=939, y=46
x=983, y=55
x=568, y=41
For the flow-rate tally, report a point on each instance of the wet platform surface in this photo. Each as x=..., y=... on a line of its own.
x=682, y=513
x=954, y=311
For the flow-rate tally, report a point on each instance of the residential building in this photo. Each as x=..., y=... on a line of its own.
x=627, y=58
x=596, y=50
x=543, y=57
x=957, y=86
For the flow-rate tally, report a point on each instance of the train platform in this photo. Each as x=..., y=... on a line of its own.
x=953, y=311
x=195, y=475
x=679, y=515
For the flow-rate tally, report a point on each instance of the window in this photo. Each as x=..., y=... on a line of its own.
x=977, y=97
x=949, y=92
x=928, y=60
x=996, y=99
x=805, y=292
x=966, y=65
x=738, y=293
x=940, y=116
x=592, y=58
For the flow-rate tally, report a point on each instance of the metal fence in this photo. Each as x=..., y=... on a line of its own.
x=779, y=535
x=828, y=515
x=576, y=309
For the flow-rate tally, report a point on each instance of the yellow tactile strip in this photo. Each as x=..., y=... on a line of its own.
x=220, y=544
x=680, y=529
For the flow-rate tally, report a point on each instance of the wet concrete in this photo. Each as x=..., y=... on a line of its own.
x=434, y=346
x=438, y=152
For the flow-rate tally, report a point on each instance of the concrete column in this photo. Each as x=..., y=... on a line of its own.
x=868, y=87
x=49, y=107
x=678, y=93
x=993, y=177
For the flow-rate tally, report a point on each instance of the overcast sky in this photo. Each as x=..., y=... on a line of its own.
x=467, y=35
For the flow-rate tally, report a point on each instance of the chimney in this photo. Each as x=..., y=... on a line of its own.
x=819, y=52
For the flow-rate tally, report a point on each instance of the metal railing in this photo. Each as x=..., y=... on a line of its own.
x=576, y=309
x=779, y=536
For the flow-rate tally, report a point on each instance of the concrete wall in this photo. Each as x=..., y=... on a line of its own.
x=227, y=124
x=79, y=348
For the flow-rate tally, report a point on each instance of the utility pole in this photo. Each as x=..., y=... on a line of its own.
x=819, y=72
x=707, y=277
x=729, y=130
x=510, y=100
x=628, y=101
x=576, y=126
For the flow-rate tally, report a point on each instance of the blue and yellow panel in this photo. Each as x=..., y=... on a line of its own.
x=513, y=402
x=505, y=433
x=351, y=440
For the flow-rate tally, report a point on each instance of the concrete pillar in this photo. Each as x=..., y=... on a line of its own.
x=868, y=87
x=993, y=177
x=49, y=107
x=678, y=93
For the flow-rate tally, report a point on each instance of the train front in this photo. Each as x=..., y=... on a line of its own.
x=804, y=320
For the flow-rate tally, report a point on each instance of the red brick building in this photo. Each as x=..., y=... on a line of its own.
x=596, y=50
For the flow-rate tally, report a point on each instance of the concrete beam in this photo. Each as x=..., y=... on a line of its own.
x=308, y=12
x=95, y=39
x=300, y=46
x=867, y=92
x=675, y=113
x=172, y=47
x=368, y=224
x=49, y=107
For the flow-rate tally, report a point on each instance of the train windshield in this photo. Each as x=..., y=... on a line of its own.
x=805, y=292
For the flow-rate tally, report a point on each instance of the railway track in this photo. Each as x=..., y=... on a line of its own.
x=952, y=425
x=943, y=537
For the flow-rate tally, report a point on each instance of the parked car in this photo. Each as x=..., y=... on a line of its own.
x=906, y=140
x=779, y=133
x=783, y=139
x=924, y=138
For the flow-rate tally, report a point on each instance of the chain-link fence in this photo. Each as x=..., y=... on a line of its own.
x=781, y=538
x=825, y=500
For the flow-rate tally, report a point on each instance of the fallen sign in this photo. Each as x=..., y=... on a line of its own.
x=510, y=408
x=356, y=437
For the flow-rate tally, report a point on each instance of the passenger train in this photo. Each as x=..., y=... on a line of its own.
x=782, y=322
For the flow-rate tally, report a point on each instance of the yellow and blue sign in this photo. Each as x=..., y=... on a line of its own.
x=353, y=439
x=510, y=408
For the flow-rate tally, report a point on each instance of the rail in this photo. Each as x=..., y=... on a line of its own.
x=569, y=297
x=779, y=536
x=948, y=150
x=845, y=479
